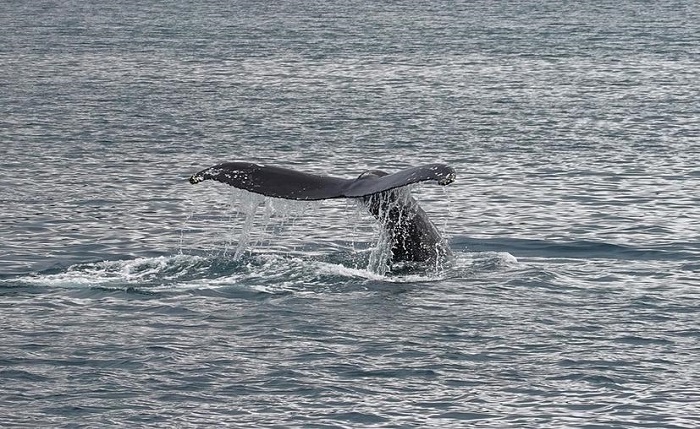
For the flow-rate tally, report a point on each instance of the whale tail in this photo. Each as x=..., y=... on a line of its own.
x=413, y=236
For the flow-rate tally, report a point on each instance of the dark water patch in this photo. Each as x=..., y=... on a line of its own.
x=577, y=249
x=690, y=332
x=692, y=267
x=642, y=341
x=586, y=328
x=594, y=379
x=464, y=416
x=356, y=418
x=10, y=288
x=349, y=371
x=22, y=376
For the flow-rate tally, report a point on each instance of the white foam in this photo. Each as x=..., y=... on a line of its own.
x=484, y=261
x=364, y=273
x=132, y=271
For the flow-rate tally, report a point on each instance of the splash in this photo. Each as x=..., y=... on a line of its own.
x=407, y=236
x=153, y=272
x=268, y=274
x=380, y=240
x=250, y=221
x=389, y=214
x=257, y=224
x=249, y=206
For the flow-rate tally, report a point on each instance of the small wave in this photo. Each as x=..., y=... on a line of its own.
x=466, y=263
x=493, y=261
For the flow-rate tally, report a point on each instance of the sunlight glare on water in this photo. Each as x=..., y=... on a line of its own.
x=132, y=298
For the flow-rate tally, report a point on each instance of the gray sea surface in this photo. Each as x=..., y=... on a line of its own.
x=130, y=298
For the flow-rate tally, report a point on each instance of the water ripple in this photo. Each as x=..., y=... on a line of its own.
x=130, y=298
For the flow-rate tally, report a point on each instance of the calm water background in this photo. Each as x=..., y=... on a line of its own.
x=575, y=220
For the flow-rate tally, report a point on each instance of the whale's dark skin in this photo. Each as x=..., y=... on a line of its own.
x=414, y=237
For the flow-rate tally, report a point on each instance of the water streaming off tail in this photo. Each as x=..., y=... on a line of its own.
x=389, y=212
x=251, y=223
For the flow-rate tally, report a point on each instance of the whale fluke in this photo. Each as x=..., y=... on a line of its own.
x=294, y=185
x=413, y=236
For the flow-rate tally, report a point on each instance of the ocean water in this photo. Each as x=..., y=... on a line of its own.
x=129, y=297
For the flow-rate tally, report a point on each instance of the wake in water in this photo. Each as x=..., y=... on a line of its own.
x=257, y=273
x=269, y=245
